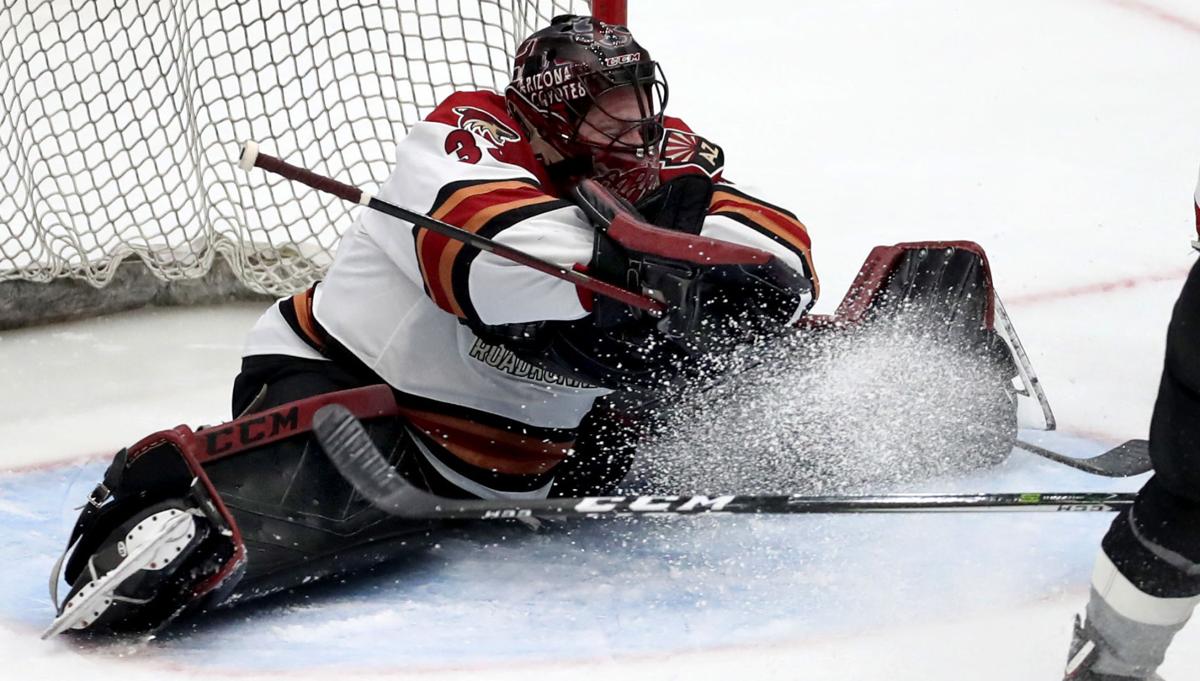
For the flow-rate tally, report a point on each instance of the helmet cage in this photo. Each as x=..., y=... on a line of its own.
x=651, y=87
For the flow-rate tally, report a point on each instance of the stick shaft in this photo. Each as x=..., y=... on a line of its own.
x=251, y=158
x=756, y=505
x=356, y=457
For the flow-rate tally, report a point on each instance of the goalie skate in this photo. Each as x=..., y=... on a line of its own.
x=119, y=574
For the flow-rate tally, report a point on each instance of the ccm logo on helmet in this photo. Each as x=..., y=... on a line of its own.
x=623, y=59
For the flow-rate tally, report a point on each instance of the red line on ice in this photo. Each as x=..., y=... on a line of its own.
x=1158, y=13
x=1096, y=288
x=62, y=462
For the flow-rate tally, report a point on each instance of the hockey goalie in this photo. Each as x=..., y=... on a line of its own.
x=475, y=376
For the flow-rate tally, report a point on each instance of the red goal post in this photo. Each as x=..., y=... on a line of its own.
x=119, y=134
x=611, y=11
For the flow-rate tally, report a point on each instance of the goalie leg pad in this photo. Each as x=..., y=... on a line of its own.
x=947, y=289
x=943, y=291
x=299, y=519
x=266, y=512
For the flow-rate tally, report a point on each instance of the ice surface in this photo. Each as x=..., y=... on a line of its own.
x=1062, y=136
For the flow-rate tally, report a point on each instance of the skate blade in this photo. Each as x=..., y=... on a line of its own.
x=82, y=607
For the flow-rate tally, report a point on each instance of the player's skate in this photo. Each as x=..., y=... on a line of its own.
x=1092, y=658
x=138, y=564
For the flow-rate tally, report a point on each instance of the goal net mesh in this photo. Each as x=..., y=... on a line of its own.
x=122, y=122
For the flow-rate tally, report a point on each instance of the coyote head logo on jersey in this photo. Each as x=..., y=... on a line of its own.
x=485, y=125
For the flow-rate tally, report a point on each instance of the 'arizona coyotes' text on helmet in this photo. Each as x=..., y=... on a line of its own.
x=560, y=73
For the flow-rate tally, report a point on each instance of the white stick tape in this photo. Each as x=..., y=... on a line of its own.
x=249, y=155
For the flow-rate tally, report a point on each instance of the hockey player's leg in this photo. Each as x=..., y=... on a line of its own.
x=1146, y=582
x=1175, y=426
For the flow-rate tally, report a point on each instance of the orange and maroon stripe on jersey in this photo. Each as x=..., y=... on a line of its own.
x=485, y=207
x=772, y=221
x=492, y=448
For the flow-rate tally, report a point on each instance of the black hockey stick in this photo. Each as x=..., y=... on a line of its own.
x=1122, y=461
x=252, y=158
x=350, y=449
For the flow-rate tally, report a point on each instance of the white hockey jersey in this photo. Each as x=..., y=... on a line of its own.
x=396, y=295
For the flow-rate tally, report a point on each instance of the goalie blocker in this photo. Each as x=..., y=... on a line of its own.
x=188, y=520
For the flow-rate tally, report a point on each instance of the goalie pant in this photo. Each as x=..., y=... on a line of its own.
x=1146, y=582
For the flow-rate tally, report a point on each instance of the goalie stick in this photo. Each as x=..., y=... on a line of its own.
x=252, y=158
x=355, y=456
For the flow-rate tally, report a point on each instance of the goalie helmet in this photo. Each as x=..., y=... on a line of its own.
x=565, y=72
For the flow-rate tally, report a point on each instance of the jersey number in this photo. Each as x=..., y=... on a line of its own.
x=463, y=145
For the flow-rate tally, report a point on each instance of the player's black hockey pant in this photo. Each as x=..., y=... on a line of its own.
x=1156, y=544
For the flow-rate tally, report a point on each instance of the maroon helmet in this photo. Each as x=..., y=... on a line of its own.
x=562, y=73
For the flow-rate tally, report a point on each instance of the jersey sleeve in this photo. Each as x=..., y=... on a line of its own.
x=467, y=165
x=734, y=215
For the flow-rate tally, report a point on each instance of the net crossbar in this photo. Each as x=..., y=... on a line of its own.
x=121, y=121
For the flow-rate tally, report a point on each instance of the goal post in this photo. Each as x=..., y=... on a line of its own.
x=611, y=11
x=122, y=119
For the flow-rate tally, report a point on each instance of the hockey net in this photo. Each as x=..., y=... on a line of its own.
x=122, y=121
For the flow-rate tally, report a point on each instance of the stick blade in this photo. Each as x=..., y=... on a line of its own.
x=356, y=457
x=1125, y=460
